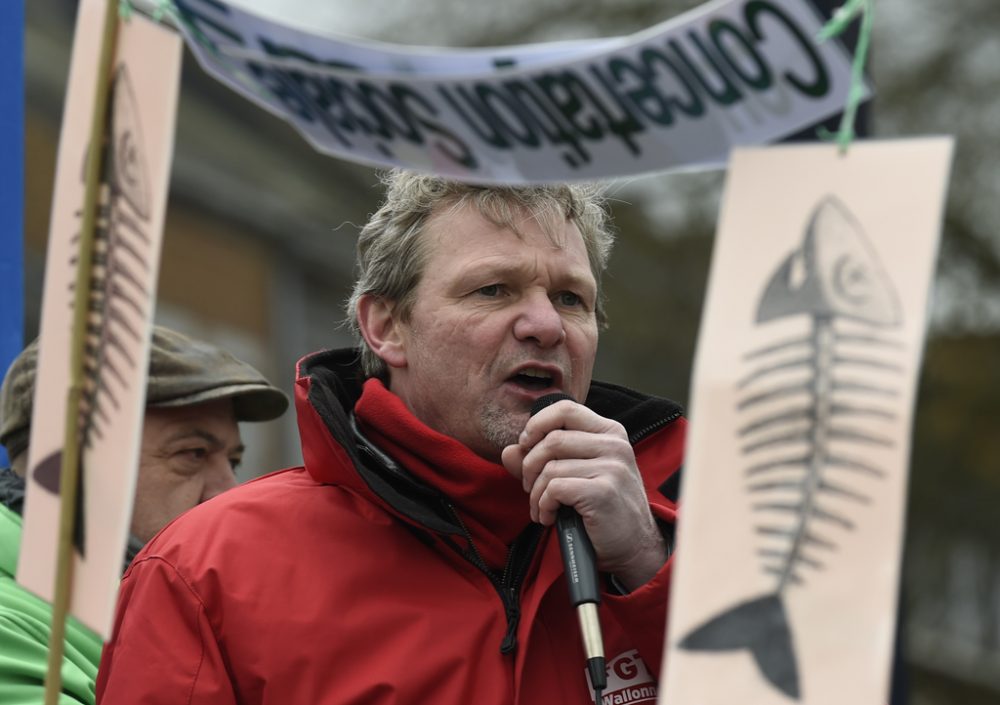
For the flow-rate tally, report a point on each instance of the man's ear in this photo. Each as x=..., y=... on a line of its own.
x=381, y=329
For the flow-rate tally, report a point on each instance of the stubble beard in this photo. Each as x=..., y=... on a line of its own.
x=500, y=427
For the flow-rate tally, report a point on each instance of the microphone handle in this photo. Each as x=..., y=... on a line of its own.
x=580, y=564
x=579, y=558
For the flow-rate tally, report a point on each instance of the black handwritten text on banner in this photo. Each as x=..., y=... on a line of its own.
x=679, y=95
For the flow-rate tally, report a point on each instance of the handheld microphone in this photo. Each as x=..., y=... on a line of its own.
x=580, y=565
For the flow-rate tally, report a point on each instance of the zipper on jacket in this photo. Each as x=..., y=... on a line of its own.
x=655, y=426
x=518, y=559
x=508, y=584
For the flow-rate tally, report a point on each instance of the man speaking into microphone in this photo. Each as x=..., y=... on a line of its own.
x=413, y=558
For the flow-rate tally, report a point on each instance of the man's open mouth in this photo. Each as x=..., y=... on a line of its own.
x=533, y=379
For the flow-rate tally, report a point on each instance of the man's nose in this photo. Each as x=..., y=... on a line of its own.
x=219, y=478
x=540, y=322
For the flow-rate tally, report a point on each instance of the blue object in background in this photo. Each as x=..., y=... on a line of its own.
x=11, y=184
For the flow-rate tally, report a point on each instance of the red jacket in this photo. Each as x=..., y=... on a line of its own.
x=354, y=580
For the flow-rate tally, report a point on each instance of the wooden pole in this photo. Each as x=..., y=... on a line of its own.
x=70, y=471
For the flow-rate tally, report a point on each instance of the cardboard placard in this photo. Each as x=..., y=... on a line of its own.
x=793, y=498
x=139, y=134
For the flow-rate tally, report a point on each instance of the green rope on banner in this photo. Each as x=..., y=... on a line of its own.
x=163, y=8
x=840, y=21
x=166, y=8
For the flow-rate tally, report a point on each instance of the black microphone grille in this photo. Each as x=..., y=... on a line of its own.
x=548, y=400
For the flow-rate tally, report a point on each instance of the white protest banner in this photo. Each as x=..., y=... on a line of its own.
x=803, y=393
x=138, y=149
x=679, y=95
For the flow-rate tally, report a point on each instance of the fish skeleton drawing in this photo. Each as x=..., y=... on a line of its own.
x=807, y=410
x=118, y=293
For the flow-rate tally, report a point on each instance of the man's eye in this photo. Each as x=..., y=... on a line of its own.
x=234, y=463
x=194, y=453
x=568, y=298
x=489, y=290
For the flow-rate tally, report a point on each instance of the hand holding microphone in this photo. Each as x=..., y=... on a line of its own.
x=577, y=465
x=569, y=455
x=580, y=472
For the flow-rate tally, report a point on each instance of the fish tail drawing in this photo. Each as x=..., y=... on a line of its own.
x=804, y=406
x=117, y=293
x=760, y=626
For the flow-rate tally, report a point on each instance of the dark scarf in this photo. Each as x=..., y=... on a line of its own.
x=12, y=497
x=12, y=491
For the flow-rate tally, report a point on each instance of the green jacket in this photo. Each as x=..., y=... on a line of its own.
x=24, y=636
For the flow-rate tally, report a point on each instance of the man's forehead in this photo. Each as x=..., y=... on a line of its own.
x=447, y=226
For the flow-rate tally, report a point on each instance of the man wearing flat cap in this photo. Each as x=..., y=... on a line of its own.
x=195, y=396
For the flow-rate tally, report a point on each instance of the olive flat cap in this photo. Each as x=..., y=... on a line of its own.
x=182, y=371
